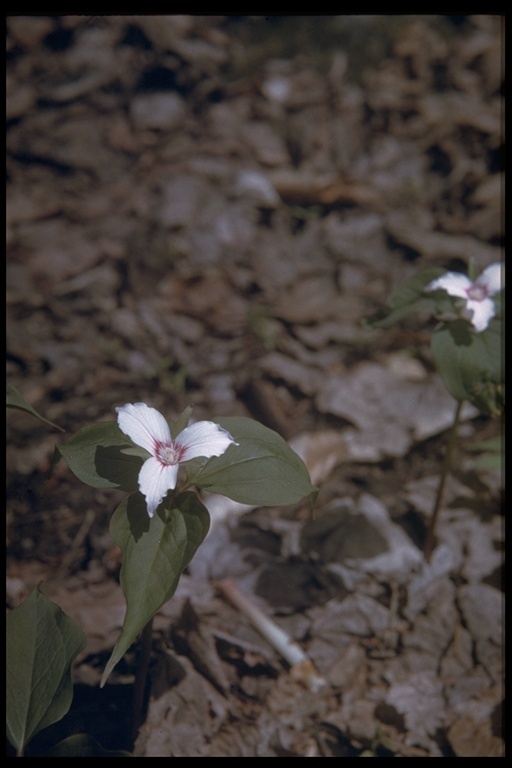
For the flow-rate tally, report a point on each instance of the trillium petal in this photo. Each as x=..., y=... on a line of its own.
x=204, y=438
x=143, y=425
x=493, y=278
x=483, y=312
x=155, y=479
x=453, y=283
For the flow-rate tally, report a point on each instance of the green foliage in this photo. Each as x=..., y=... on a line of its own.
x=261, y=470
x=102, y=456
x=83, y=745
x=41, y=644
x=181, y=422
x=14, y=399
x=155, y=552
x=410, y=297
x=491, y=453
x=470, y=364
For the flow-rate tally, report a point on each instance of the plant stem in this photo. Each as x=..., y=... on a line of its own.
x=141, y=679
x=445, y=469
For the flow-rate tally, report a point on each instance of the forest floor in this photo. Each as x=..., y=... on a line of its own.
x=204, y=210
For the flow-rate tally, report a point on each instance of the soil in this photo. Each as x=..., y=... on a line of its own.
x=204, y=210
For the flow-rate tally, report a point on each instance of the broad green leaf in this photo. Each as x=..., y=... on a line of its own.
x=83, y=745
x=155, y=552
x=102, y=456
x=15, y=399
x=42, y=643
x=470, y=364
x=492, y=453
x=261, y=470
x=410, y=296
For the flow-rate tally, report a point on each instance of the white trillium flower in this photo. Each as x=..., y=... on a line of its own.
x=147, y=427
x=480, y=307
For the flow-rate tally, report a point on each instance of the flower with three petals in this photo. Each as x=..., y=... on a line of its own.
x=147, y=428
x=479, y=308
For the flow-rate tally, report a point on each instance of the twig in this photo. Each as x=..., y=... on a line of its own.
x=302, y=668
x=445, y=469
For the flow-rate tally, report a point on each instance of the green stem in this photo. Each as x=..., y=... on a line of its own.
x=141, y=679
x=445, y=469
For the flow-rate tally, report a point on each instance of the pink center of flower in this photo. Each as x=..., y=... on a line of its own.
x=169, y=453
x=477, y=292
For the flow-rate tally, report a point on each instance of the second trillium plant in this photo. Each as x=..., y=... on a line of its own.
x=163, y=465
x=467, y=344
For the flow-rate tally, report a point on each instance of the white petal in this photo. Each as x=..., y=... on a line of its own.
x=143, y=425
x=204, y=438
x=155, y=479
x=493, y=278
x=453, y=283
x=483, y=312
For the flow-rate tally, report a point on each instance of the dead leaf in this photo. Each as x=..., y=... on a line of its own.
x=309, y=300
x=470, y=738
x=321, y=452
x=388, y=410
x=419, y=699
x=437, y=246
x=183, y=718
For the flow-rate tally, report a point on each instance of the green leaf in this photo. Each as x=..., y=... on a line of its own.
x=470, y=363
x=83, y=745
x=155, y=552
x=492, y=453
x=181, y=422
x=261, y=470
x=15, y=399
x=489, y=461
x=42, y=643
x=410, y=297
x=493, y=444
x=102, y=456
